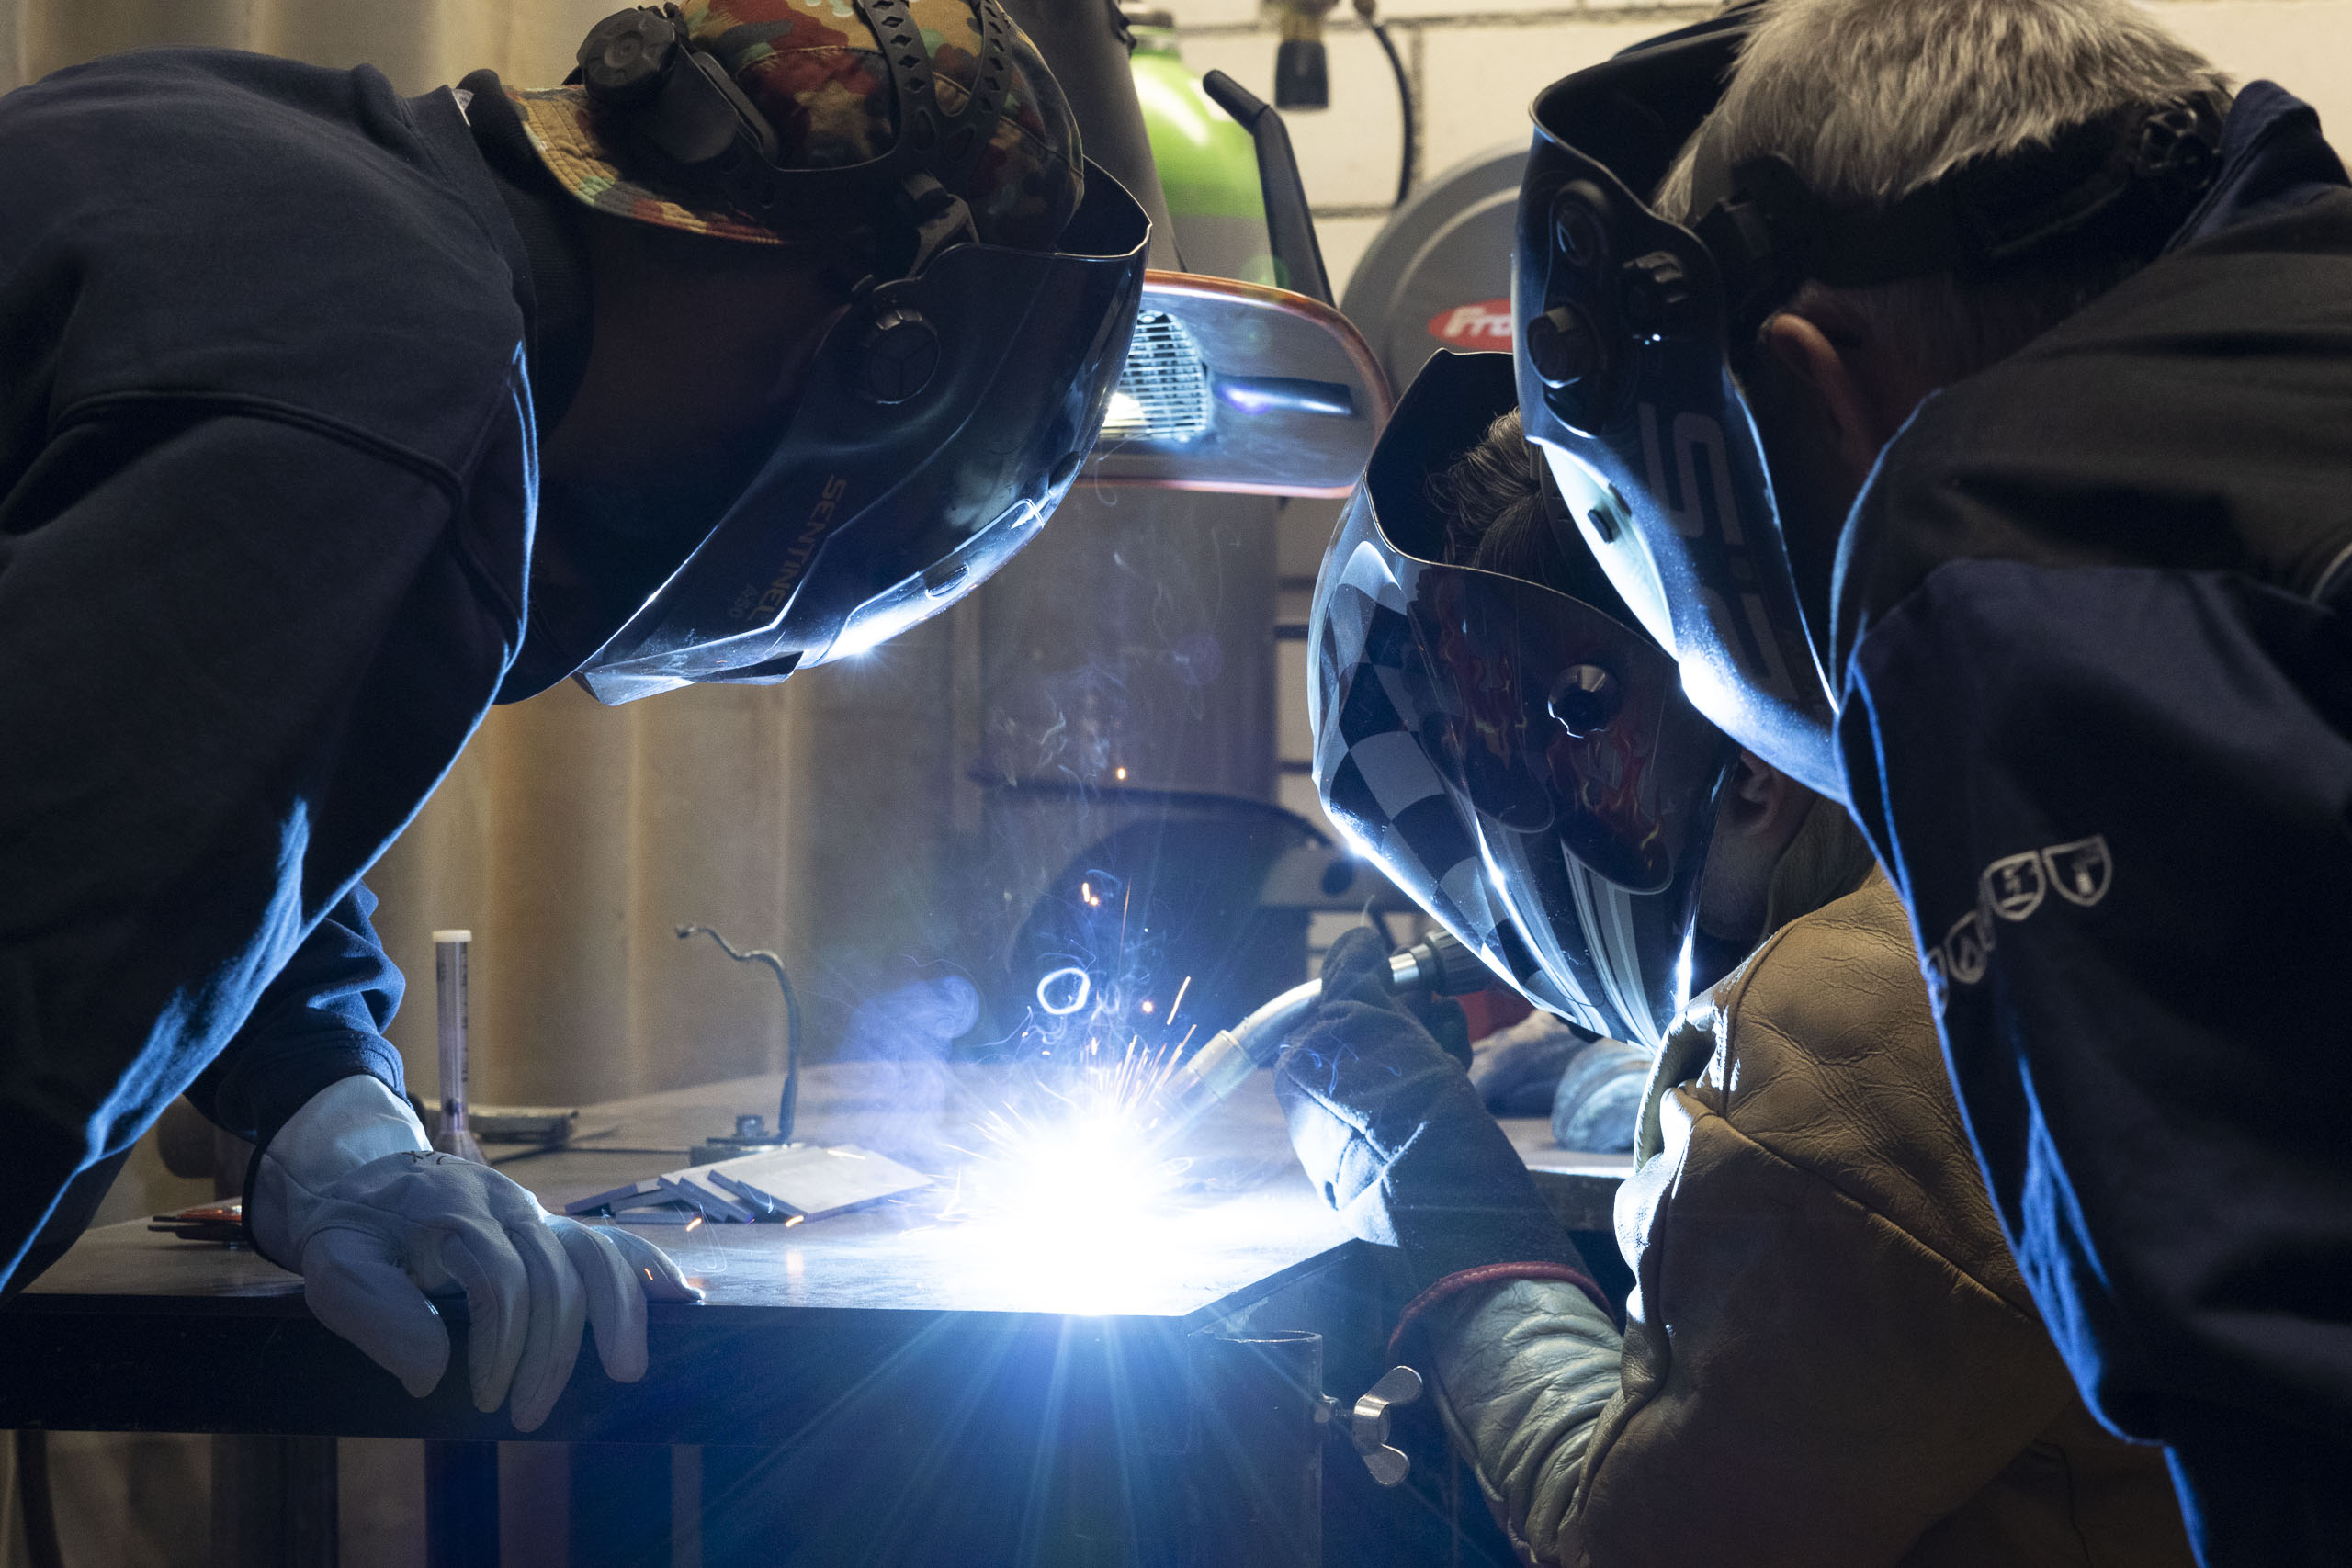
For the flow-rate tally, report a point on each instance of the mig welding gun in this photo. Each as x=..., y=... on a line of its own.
x=1437, y=965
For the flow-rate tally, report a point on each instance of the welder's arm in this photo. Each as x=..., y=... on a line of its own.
x=1802, y=1384
x=322, y=1018
x=345, y=1193
x=250, y=647
x=1523, y=1370
x=2115, y=802
x=1394, y=1135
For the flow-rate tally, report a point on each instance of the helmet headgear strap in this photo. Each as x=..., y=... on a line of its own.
x=685, y=105
x=2120, y=185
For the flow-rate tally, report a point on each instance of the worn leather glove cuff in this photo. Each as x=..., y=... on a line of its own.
x=1508, y=1226
x=1453, y=1285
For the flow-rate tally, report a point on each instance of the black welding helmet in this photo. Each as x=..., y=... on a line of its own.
x=1624, y=326
x=1521, y=759
x=895, y=490
x=1624, y=383
x=993, y=276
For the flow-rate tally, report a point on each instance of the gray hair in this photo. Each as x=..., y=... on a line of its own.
x=1870, y=99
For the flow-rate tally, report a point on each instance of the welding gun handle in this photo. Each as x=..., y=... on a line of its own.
x=1440, y=965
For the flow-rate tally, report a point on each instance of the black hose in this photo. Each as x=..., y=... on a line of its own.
x=789, y=1109
x=33, y=1495
x=1404, y=105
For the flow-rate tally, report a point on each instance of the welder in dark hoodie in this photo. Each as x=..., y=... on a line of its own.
x=329, y=418
x=1961, y=390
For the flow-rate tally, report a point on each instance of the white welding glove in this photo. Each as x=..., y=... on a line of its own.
x=350, y=1196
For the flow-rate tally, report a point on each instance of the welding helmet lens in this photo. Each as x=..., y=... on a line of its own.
x=940, y=423
x=1623, y=382
x=1521, y=760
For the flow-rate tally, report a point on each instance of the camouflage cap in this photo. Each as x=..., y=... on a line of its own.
x=814, y=68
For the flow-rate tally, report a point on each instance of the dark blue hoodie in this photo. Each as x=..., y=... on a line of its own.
x=2098, y=722
x=266, y=470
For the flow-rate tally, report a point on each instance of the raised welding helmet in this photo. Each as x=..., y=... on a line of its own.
x=947, y=411
x=1517, y=756
x=1627, y=329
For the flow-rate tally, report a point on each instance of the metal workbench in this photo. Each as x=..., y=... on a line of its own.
x=880, y=1386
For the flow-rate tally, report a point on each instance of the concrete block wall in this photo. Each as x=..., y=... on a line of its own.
x=1475, y=67
x=1474, y=74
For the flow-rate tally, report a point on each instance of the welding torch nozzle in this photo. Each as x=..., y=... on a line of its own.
x=1438, y=965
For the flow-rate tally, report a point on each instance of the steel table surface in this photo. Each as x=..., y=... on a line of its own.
x=845, y=1364
x=858, y=1330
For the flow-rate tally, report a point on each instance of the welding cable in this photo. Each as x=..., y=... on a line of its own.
x=34, y=1496
x=1366, y=9
x=788, y=1110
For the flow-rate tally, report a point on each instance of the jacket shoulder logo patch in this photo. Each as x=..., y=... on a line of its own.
x=2080, y=870
x=1966, y=949
x=2013, y=888
x=2014, y=885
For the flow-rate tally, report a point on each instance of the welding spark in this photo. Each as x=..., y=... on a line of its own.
x=1064, y=991
x=1074, y=1165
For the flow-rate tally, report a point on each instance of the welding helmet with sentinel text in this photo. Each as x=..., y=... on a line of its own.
x=1625, y=325
x=1518, y=758
x=896, y=491
x=946, y=413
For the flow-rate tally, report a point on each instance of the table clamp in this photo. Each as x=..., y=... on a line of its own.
x=1366, y=1422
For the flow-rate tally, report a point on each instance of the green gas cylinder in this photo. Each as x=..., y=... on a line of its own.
x=1208, y=165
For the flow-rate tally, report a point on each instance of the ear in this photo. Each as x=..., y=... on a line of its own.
x=1752, y=779
x=1828, y=378
x=1759, y=797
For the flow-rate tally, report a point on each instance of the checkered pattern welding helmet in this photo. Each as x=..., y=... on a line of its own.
x=1521, y=759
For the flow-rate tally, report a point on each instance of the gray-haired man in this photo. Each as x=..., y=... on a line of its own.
x=2044, y=342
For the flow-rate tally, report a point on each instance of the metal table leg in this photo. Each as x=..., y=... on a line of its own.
x=621, y=1506
x=273, y=1502
x=1257, y=1449
x=461, y=1505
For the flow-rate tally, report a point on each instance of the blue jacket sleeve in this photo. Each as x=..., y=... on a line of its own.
x=257, y=649
x=322, y=1019
x=2115, y=801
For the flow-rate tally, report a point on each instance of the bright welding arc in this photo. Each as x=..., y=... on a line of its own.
x=1065, y=990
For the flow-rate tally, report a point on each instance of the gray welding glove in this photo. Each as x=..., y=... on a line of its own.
x=1392, y=1133
x=350, y=1195
x=1599, y=1097
x=1516, y=1069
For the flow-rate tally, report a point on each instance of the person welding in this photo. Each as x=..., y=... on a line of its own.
x=1961, y=392
x=1830, y=1359
x=330, y=418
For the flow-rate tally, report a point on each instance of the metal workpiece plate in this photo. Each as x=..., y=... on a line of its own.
x=894, y=1326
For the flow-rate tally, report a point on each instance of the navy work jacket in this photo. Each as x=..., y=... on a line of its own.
x=2092, y=632
x=267, y=483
